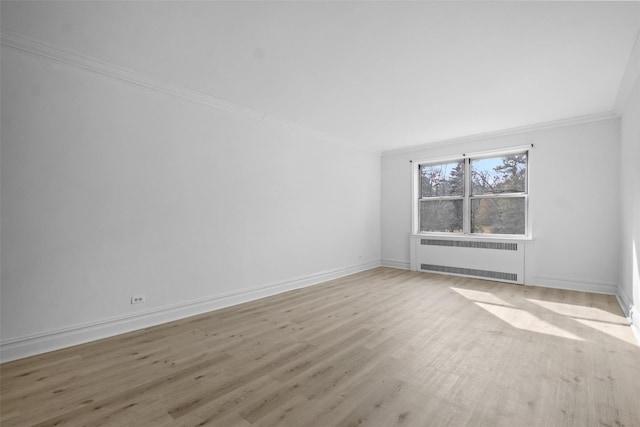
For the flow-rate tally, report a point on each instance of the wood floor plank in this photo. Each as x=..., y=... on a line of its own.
x=385, y=347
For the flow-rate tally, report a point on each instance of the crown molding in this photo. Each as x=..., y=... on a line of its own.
x=305, y=130
x=505, y=132
x=20, y=42
x=36, y=47
x=630, y=78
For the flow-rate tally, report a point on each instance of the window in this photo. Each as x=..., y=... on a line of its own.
x=480, y=195
x=441, y=196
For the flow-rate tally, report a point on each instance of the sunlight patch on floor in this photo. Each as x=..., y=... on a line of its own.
x=580, y=311
x=524, y=320
x=480, y=296
x=603, y=321
x=622, y=332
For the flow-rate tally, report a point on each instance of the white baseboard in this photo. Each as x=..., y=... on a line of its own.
x=575, y=285
x=625, y=303
x=632, y=313
x=22, y=347
x=403, y=265
x=634, y=321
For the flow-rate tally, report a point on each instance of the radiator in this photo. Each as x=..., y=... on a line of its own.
x=493, y=260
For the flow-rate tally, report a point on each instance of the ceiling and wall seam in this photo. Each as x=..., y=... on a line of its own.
x=627, y=83
x=23, y=43
x=506, y=132
x=20, y=42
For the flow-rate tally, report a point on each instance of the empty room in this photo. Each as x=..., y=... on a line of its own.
x=320, y=213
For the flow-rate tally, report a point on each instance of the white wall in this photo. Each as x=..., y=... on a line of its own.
x=111, y=190
x=629, y=289
x=574, y=202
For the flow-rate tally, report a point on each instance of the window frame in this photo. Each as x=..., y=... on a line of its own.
x=468, y=197
x=435, y=198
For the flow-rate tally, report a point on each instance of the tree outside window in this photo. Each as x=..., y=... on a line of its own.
x=483, y=195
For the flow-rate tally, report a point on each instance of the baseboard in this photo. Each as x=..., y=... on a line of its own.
x=625, y=303
x=631, y=312
x=403, y=265
x=22, y=347
x=575, y=285
x=634, y=322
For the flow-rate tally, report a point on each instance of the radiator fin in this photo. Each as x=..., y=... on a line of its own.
x=504, y=246
x=470, y=272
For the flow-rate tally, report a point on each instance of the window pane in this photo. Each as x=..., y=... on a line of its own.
x=498, y=215
x=444, y=179
x=496, y=175
x=441, y=215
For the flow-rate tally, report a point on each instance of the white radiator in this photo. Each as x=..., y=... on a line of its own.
x=501, y=260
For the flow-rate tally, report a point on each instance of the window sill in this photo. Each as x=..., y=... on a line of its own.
x=450, y=236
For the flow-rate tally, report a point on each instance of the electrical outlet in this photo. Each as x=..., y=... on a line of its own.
x=137, y=299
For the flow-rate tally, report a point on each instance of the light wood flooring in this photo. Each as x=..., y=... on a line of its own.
x=381, y=348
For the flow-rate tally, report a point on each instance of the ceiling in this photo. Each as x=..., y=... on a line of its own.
x=382, y=75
